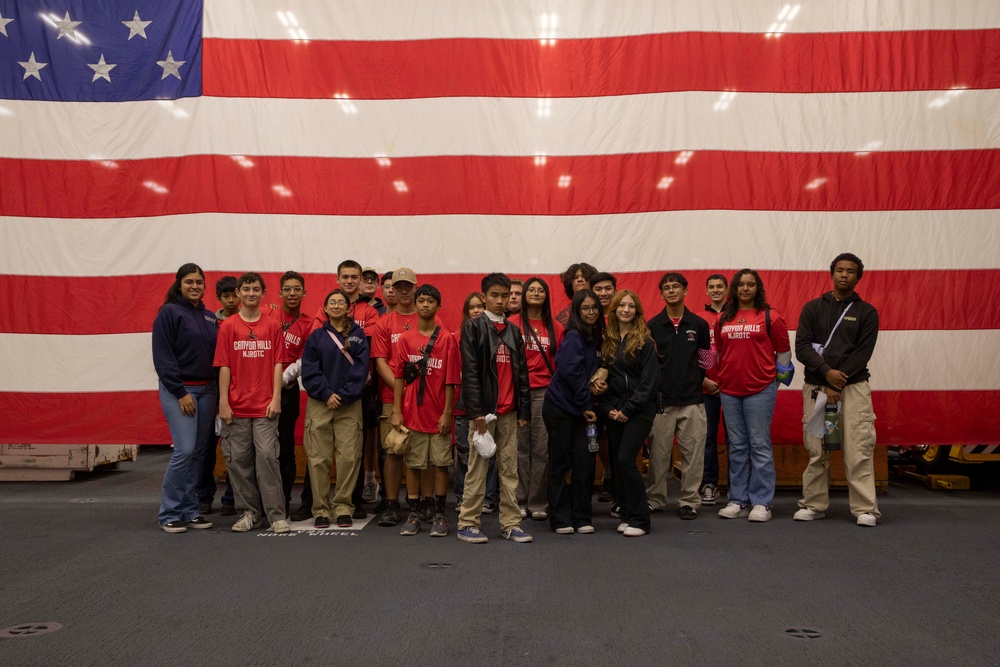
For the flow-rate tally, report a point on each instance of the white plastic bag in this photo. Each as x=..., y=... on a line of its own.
x=483, y=442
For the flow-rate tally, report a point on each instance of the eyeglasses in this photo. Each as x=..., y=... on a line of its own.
x=534, y=290
x=337, y=304
x=292, y=290
x=369, y=279
x=589, y=309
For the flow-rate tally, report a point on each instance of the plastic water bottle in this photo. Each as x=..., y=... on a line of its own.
x=831, y=419
x=592, y=445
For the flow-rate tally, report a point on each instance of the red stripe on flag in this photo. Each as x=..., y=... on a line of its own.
x=576, y=185
x=128, y=304
x=745, y=62
x=138, y=418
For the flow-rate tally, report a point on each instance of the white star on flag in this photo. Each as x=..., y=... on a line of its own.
x=170, y=66
x=136, y=26
x=102, y=70
x=31, y=67
x=3, y=25
x=67, y=27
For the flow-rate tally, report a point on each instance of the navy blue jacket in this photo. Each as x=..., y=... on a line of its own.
x=576, y=362
x=184, y=345
x=325, y=369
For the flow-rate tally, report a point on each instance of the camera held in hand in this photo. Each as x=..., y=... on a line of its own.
x=413, y=370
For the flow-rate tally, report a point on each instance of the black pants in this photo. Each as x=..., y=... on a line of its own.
x=569, y=505
x=624, y=442
x=290, y=407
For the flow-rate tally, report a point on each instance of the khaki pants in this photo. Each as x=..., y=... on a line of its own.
x=858, y=445
x=533, y=458
x=251, y=450
x=333, y=435
x=504, y=432
x=690, y=425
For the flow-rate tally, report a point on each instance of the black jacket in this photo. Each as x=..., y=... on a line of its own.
x=680, y=373
x=632, y=382
x=852, y=344
x=480, y=386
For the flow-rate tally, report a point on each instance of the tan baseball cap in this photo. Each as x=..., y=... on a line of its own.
x=369, y=269
x=404, y=275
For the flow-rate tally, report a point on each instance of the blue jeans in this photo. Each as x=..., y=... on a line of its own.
x=748, y=435
x=190, y=436
x=462, y=465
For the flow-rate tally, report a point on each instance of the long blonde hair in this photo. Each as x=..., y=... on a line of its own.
x=637, y=336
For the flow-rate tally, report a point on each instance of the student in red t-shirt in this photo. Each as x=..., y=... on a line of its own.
x=385, y=339
x=494, y=382
x=749, y=334
x=295, y=327
x=715, y=286
x=542, y=337
x=424, y=405
x=248, y=354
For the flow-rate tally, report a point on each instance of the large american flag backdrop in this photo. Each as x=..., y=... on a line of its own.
x=462, y=136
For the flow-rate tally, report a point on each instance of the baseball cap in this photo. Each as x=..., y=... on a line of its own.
x=369, y=269
x=404, y=275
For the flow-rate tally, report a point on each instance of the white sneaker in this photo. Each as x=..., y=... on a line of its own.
x=523, y=512
x=246, y=523
x=806, y=514
x=760, y=513
x=633, y=532
x=585, y=530
x=622, y=526
x=565, y=530
x=867, y=519
x=280, y=526
x=734, y=511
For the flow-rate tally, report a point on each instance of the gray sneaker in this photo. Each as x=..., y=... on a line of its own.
x=412, y=525
x=440, y=527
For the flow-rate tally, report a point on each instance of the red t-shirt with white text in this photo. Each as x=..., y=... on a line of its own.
x=711, y=316
x=538, y=373
x=444, y=367
x=505, y=376
x=746, y=354
x=251, y=350
x=385, y=337
x=296, y=329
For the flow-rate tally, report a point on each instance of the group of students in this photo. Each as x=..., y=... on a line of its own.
x=519, y=400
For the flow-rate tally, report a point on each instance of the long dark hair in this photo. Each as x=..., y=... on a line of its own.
x=174, y=292
x=593, y=334
x=546, y=312
x=468, y=300
x=348, y=320
x=733, y=301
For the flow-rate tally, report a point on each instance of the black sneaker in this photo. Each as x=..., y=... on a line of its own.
x=489, y=508
x=227, y=510
x=199, y=523
x=205, y=507
x=390, y=517
x=302, y=513
x=174, y=527
x=616, y=510
x=359, y=513
x=605, y=497
x=687, y=513
x=344, y=521
x=321, y=522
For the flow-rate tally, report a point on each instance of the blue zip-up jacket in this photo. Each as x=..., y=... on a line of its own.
x=576, y=362
x=325, y=369
x=184, y=345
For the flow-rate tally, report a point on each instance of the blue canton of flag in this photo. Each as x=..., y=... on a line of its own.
x=100, y=50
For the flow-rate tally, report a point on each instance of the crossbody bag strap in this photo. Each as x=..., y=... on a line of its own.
x=341, y=346
x=538, y=342
x=423, y=371
x=834, y=330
